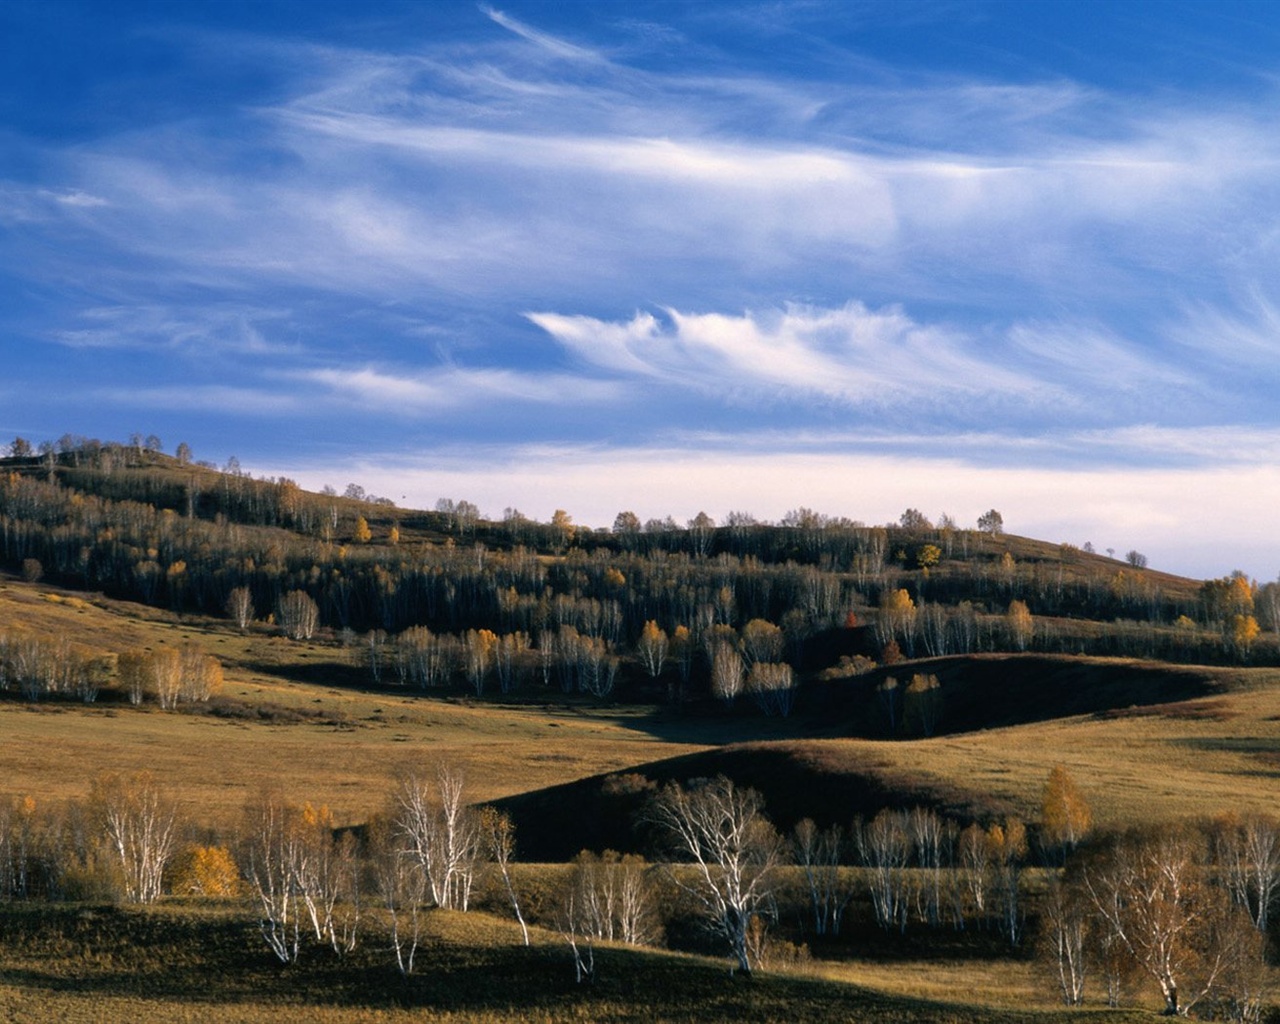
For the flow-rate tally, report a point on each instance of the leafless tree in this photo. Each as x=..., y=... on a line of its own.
x=270, y=855
x=817, y=852
x=500, y=837
x=884, y=848
x=437, y=828
x=932, y=839
x=240, y=607
x=200, y=675
x=974, y=855
x=581, y=942
x=1065, y=937
x=612, y=897
x=166, y=676
x=734, y=849
x=141, y=825
x=402, y=884
x=1248, y=853
x=299, y=615
x=727, y=671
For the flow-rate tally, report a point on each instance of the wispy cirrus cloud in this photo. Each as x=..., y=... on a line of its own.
x=221, y=328
x=551, y=44
x=1066, y=373
x=449, y=389
x=217, y=400
x=442, y=231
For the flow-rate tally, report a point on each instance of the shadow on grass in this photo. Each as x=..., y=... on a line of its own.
x=205, y=959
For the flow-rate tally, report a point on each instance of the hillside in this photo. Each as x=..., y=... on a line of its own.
x=244, y=644
x=631, y=639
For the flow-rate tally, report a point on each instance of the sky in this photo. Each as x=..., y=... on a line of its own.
x=666, y=257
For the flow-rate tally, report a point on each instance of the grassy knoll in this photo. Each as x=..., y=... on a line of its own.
x=329, y=742
x=1193, y=758
x=185, y=963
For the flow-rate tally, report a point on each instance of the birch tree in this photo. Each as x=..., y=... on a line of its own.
x=239, y=607
x=1153, y=894
x=299, y=615
x=652, y=649
x=140, y=822
x=499, y=834
x=817, y=852
x=734, y=850
x=1065, y=817
x=441, y=832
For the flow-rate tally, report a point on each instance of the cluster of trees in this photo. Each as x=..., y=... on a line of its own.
x=1186, y=907
x=40, y=667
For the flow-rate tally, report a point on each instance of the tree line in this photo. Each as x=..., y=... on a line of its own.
x=588, y=610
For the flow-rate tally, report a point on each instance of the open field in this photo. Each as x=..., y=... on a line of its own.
x=329, y=744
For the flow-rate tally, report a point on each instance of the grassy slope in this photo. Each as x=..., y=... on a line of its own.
x=1171, y=753
x=1137, y=758
x=335, y=744
x=206, y=964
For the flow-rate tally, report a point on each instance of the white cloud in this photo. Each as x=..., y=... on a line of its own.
x=551, y=44
x=452, y=388
x=203, y=330
x=856, y=355
x=75, y=198
x=216, y=399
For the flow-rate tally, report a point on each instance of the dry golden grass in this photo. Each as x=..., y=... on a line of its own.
x=1005, y=984
x=1197, y=758
x=346, y=759
x=1000, y=984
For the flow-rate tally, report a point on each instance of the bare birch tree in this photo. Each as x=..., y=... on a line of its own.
x=734, y=849
x=817, y=852
x=500, y=838
x=437, y=828
x=141, y=825
x=240, y=607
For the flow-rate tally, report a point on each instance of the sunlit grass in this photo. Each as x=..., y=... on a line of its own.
x=346, y=758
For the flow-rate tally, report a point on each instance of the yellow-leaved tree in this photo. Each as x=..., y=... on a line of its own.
x=1244, y=631
x=1021, y=625
x=205, y=871
x=652, y=648
x=1065, y=817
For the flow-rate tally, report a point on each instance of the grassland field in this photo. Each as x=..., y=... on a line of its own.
x=301, y=717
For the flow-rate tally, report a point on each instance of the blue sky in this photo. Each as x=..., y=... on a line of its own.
x=666, y=257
